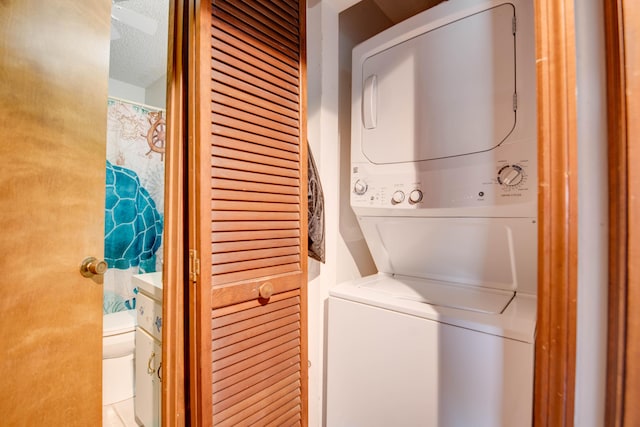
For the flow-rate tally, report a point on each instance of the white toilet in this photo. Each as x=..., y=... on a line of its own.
x=118, y=344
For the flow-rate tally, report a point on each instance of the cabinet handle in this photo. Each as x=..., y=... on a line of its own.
x=151, y=370
x=159, y=372
x=266, y=290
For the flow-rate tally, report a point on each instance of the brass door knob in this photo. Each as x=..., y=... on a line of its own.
x=266, y=290
x=92, y=266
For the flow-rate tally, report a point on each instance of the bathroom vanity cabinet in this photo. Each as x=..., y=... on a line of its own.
x=148, y=361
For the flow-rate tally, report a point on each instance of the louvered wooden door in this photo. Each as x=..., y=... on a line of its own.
x=248, y=215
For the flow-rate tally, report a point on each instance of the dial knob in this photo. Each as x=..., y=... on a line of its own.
x=360, y=187
x=398, y=197
x=415, y=196
x=510, y=175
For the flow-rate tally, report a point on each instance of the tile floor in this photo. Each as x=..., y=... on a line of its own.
x=119, y=414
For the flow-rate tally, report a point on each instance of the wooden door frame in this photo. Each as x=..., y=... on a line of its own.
x=174, y=411
x=555, y=354
x=622, y=23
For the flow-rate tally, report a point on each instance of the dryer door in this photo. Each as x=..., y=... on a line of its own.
x=447, y=92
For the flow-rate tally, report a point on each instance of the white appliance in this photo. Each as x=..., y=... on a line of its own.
x=148, y=398
x=444, y=187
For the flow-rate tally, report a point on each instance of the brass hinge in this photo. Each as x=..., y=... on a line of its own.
x=514, y=25
x=515, y=101
x=194, y=265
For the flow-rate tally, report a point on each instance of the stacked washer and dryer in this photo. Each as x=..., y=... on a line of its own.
x=444, y=186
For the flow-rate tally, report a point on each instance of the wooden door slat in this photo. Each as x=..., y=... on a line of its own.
x=254, y=216
x=225, y=205
x=243, y=413
x=252, y=196
x=248, y=82
x=251, y=99
x=243, y=408
x=259, y=33
x=237, y=122
x=224, y=54
x=228, y=39
x=270, y=408
x=240, y=236
x=233, y=153
x=251, y=328
x=238, y=276
x=244, y=116
x=274, y=382
x=254, y=225
x=255, y=177
x=236, y=80
x=264, y=10
x=245, y=266
x=260, y=14
x=287, y=8
x=280, y=14
x=238, y=351
x=256, y=107
x=292, y=415
x=252, y=17
x=238, y=369
x=228, y=257
x=240, y=313
x=227, y=184
x=253, y=244
x=241, y=135
x=223, y=393
x=253, y=167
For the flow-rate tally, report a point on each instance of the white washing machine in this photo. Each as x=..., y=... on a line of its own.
x=444, y=159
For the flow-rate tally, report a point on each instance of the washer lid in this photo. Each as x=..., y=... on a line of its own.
x=442, y=294
x=447, y=92
x=118, y=323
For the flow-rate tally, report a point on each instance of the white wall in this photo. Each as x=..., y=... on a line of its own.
x=322, y=40
x=327, y=132
x=126, y=91
x=592, y=215
x=156, y=93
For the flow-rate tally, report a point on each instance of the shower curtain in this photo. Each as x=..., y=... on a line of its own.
x=134, y=203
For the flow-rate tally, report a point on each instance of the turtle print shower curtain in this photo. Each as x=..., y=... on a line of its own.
x=134, y=199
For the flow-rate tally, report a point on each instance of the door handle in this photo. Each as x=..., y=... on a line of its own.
x=92, y=266
x=370, y=102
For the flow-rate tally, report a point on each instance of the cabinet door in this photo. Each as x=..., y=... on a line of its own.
x=248, y=215
x=148, y=370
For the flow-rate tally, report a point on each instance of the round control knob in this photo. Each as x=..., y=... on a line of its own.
x=415, y=196
x=360, y=187
x=510, y=175
x=398, y=197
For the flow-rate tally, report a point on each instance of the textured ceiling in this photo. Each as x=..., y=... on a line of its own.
x=138, y=58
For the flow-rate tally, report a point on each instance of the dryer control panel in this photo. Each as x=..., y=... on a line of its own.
x=485, y=185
